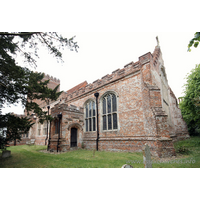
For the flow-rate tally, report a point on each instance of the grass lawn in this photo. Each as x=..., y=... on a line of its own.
x=30, y=157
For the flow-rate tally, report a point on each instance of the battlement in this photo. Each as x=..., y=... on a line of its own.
x=58, y=108
x=117, y=74
x=51, y=78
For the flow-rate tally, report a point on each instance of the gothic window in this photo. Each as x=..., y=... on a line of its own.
x=90, y=116
x=56, y=124
x=109, y=112
x=25, y=135
x=45, y=128
x=39, y=129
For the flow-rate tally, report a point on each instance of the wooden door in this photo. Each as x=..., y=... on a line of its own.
x=73, y=137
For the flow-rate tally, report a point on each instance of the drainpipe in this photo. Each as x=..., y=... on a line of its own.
x=59, y=116
x=97, y=116
x=47, y=125
x=49, y=137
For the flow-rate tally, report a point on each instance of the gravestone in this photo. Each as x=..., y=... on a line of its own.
x=6, y=154
x=147, y=156
x=127, y=166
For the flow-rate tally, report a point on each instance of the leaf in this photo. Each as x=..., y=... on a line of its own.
x=196, y=44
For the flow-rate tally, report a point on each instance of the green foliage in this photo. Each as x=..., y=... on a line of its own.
x=3, y=143
x=182, y=150
x=190, y=104
x=16, y=126
x=195, y=41
x=19, y=84
x=82, y=145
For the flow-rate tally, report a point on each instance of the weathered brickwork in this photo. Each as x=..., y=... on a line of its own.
x=146, y=110
x=72, y=117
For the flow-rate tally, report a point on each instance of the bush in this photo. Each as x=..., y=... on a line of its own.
x=182, y=150
x=3, y=143
x=82, y=145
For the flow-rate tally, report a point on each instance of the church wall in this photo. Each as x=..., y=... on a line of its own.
x=146, y=110
x=72, y=117
x=130, y=113
x=180, y=126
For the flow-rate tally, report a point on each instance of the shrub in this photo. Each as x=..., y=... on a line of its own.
x=82, y=145
x=182, y=150
x=3, y=143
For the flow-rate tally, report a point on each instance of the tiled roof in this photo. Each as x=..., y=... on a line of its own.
x=83, y=84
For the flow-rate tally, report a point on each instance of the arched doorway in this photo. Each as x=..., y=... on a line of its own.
x=73, y=137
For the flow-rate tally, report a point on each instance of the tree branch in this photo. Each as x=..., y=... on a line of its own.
x=19, y=34
x=45, y=40
x=33, y=61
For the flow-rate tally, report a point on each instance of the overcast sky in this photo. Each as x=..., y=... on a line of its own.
x=106, y=33
x=100, y=53
x=110, y=35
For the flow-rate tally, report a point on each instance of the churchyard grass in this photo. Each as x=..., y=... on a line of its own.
x=31, y=157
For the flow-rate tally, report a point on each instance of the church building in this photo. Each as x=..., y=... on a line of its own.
x=121, y=111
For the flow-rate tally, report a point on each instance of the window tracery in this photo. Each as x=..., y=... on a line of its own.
x=109, y=112
x=90, y=116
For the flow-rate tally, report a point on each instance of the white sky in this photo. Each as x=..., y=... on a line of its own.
x=101, y=53
x=110, y=35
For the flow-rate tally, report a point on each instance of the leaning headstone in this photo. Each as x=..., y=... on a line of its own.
x=127, y=166
x=6, y=154
x=147, y=157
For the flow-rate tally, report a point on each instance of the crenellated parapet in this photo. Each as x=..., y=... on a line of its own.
x=51, y=78
x=63, y=107
x=105, y=80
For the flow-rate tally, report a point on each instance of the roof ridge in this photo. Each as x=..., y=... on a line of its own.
x=77, y=87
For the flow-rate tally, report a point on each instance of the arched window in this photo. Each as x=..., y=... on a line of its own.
x=90, y=116
x=56, y=124
x=109, y=112
x=39, y=129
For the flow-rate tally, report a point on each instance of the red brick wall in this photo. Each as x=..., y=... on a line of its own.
x=141, y=115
